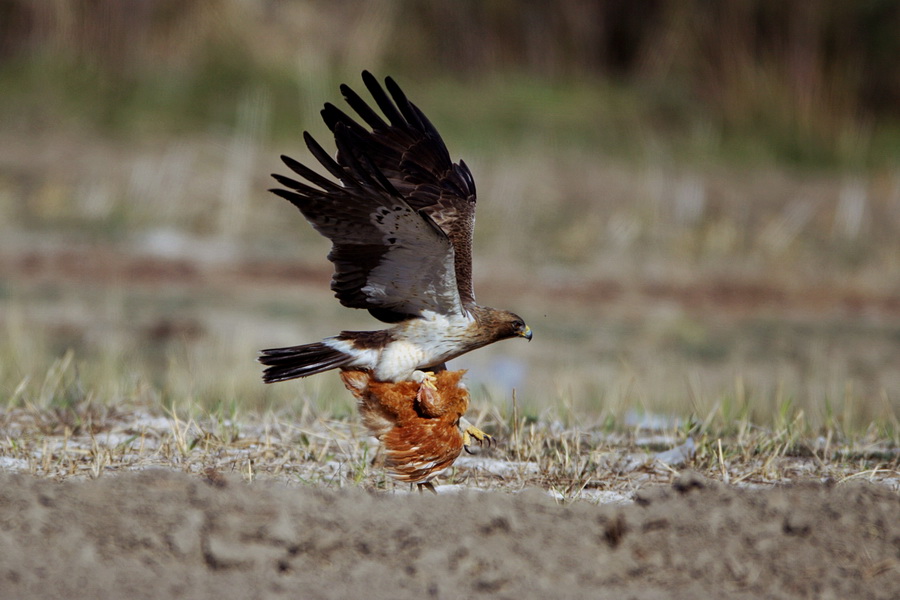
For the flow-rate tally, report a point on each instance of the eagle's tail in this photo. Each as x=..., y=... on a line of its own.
x=299, y=361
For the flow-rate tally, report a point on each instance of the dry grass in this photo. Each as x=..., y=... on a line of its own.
x=89, y=441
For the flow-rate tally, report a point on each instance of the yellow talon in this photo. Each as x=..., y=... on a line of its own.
x=430, y=381
x=469, y=431
x=427, y=395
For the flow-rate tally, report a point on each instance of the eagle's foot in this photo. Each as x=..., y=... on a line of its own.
x=427, y=395
x=426, y=378
x=469, y=432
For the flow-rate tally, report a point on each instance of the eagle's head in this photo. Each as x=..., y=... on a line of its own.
x=502, y=324
x=517, y=327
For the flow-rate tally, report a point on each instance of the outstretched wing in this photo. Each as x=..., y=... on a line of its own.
x=389, y=257
x=410, y=153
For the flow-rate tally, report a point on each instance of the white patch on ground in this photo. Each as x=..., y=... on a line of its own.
x=596, y=496
x=8, y=463
x=401, y=489
x=651, y=421
x=144, y=420
x=500, y=468
x=677, y=455
x=607, y=496
x=656, y=440
x=893, y=483
x=456, y=488
x=118, y=439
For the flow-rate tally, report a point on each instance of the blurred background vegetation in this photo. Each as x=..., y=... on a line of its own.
x=807, y=83
x=697, y=202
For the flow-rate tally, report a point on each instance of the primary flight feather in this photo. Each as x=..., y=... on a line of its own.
x=400, y=218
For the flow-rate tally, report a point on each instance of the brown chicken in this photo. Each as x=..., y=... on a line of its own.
x=422, y=430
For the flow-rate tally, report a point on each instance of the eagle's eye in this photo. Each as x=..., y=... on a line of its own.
x=518, y=323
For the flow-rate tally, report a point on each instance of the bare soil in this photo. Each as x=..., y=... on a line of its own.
x=160, y=534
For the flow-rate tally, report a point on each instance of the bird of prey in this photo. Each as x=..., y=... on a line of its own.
x=400, y=219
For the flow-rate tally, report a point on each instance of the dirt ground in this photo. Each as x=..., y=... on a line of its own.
x=160, y=534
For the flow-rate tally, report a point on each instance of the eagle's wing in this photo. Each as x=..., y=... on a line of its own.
x=389, y=257
x=410, y=153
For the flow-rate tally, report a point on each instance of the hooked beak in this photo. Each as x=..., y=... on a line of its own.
x=526, y=333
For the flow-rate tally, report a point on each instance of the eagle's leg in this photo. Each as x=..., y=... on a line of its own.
x=469, y=431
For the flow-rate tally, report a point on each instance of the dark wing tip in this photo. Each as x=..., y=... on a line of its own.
x=394, y=88
x=368, y=78
x=287, y=182
x=293, y=164
x=330, y=114
x=286, y=194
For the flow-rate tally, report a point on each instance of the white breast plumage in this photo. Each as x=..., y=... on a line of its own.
x=421, y=343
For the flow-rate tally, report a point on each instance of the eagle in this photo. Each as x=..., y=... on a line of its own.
x=400, y=218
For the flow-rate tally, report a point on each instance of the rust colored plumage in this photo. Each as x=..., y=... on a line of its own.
x=419, y=428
